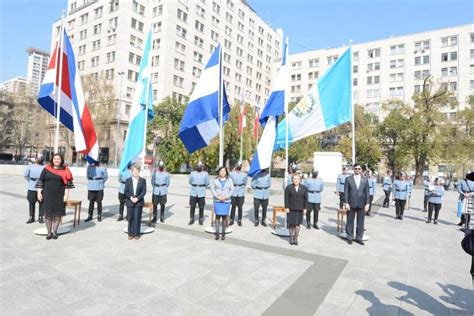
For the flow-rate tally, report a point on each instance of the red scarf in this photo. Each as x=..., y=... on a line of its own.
x=65, y=173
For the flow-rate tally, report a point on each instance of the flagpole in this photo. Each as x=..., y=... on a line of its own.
x=59, y=91
x=221, y=110
x=353, y=114
x=147, y=96
x=241, y=129
x=286, y=125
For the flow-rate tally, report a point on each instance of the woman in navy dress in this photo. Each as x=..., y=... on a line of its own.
x=53, y=190
x=222, y=188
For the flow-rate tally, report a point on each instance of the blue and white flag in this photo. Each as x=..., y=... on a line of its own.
x=200, y=123
x=134, y=146
x=275, y=107
x=327, y=105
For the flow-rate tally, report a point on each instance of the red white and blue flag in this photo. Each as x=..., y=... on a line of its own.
x=74, y=113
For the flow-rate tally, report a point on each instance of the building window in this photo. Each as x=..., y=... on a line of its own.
x=397, y=49
x=200, y=11
x=138, y=8
x=178, y=64
x=199, y=42
x=97, y=28
x=95, y=45
x=183, y=16
x=422, y=46
x=471, y=85
x=355, y=56
x=373, y=66
x=157, y=27
x=110, y=57
x=84, y=18
x=158, y=10
x=373, y=53
x=113, y=5
x=196, y=72
x=109, y=74
x=95, y=61
x=354, y=82
x=180, y=31
x=198, y=57
x=422, y=60
x=449, y=56
x=132, y=75
x=314, y=62
x=296, y=77
x=215, y=21
x=199, y=26
x=216, y=8
x=137, y=25
x=178, y=81
x=373, y=79
x=111, y=39
x=396, y=77
x=422, y=74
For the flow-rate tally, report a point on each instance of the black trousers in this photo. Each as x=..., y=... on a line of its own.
x=134, y=215
x=32, y=197
x=315, y=208
x=237, y=202
x=425, y=203
x=400, y=207
x=386, y=201
x=351, y=214
x=256, y=205
x=433, y=207
x=121, y=198
x=159, y=199
x=341, y=199
x=201, y=202
x=371, y=199
x=95, y=196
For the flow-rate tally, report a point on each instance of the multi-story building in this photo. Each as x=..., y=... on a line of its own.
x=394, y=68
x=16, y=85
x=108, y=38
x=37, y=66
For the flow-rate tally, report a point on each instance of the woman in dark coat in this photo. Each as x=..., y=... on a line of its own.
x=296, y=204
x=53, y=190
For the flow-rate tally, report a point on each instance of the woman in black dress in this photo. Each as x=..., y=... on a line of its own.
x=53, y=190
x=296, y=204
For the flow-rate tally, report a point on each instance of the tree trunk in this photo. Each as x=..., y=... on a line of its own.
x=419, y=168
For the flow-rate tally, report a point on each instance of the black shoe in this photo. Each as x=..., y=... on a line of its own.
x=223, y=237
x=239, y=222
x=55, y=236
x=153, y=220
x=460, y=223
x=263, y=223
x=291, y=240
x=425, y=211
x=428, y=221
x=231, y=222
x=162, y=219
x=99, y=218
x=48, y=237
x=315, y=226
x=88, y=219
x=308, y=226
x=217, y=237
x=401, y=218
x=435, y=222
x=349, y=241
x=369, y=214
x=30, y=220
x=120, y=218
x=396, y=217
x=41, y=220
x=255, y=223
x=191, y=221
x=200, y=221
x=360, y=242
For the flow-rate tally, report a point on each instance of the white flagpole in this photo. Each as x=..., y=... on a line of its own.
x=221, y=111
x=353, y=115
x=146, y=121
x=286, y=124
x=242, y=106
x=59, y=90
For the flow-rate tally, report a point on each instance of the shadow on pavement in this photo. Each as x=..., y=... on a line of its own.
x=379, y=308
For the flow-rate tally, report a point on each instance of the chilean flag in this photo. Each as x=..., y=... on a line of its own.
x=242, y=119
x=74, y=113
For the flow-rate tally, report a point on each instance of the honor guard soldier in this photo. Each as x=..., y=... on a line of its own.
x=340, y=182
x=410, y=190
x=96, y=176
x=199, y=180
x=400, y=194
x=289, y=176
x=436, y=192
x=465, y=187
x=315, y=186
x=372, y=180
x=160, y=180
x=387, y=188
x=426, y=186
x=239, y=179
x=261, y=191
x=31, y=175
x=122, y=178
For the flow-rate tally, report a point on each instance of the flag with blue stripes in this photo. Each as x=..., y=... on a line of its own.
x=325, y=106
x=274, y=107
x=200, y=123
x=134, y=146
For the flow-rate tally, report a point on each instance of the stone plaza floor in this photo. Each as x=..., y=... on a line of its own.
x=406, y=268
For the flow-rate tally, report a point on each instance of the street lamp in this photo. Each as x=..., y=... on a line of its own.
x=117, y=136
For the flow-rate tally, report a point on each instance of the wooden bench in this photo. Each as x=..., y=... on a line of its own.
x=76, y=204
x=276, y=210
x=340, y=219
x=149, y=205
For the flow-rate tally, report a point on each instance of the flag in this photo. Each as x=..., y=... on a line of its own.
x=242, y=117
x=200, y=123
x=256, y=122
x=74, y=112
x=275, y=107
x=134, y=146
x=326, y=105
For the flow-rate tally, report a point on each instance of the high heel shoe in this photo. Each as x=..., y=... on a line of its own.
x=217, y=236
x=55, y=236
x=48, y=237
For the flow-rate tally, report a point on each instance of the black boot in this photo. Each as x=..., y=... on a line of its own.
x=162, y=213
x=217, y=227
x=436, y=217
x=264, y=216
x=232, y=215
x=155, y=213
x=201, y=216
x=430, y=213
x=223, y=229
x=90, y=212
x=191, y=216
x=121, y=206
x=31, y=219
x=256, y=217
x=99, y=211
x=308, y=220
x=41, y=219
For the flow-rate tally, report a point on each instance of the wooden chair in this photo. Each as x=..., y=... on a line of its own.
x=276, y=210
x=340, y=219
x=149, y=205
x=76, y=205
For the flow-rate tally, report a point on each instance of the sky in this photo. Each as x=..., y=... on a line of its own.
x=309, y=24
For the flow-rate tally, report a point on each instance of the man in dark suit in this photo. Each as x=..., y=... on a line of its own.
x=135, y=190
x=356, y=199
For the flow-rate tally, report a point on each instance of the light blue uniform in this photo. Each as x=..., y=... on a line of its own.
x=160, y=180
x=261, y=186
x=436, y=195
x=372, y=184
x=426, y=185
x=387, y=183
x=198, y=181
x=122, y=178
x=400, y=189
x=315, y=187
x=465, y=186
x=31, y=175
x=341, y=180
x=96, y=176
x=239, y=179
x=410, y=187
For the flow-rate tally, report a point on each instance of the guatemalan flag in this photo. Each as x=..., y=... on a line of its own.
x=327, y=105
x=134, y=146
x=74, y=113
x=200, y=123
x=269, y=117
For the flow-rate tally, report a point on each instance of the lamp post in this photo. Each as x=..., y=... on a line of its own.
x=117, y=136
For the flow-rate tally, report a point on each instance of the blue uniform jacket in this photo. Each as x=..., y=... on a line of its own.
x=387, y=183
x=426, y=185
x=239, y=179
x=31, y=175
x=96, y=176
x=435, y=196
x=160, y=181
x=315, y=187
x=372, y=185
x=199, y=182
x=122, y=178
x=261, y=186
x=400, y=189
x=341, y=180
x=465, y=186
